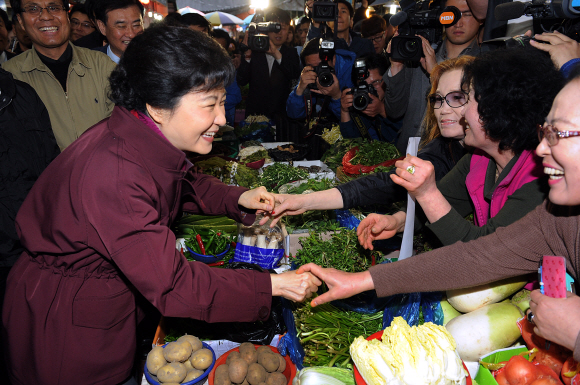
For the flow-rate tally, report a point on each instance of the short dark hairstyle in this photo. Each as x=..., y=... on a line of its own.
x=16, y=6
x=164, y=63
x=196, y=19
x=278, y=15
x=219, y=33
x=78, y=8
x=98, y=9
x=377, y=61
x=5, y=19
x=303, y=20
x=311, y=47
x=173, y=19
x=514, y=89
x=372, y=26
x=348, y=5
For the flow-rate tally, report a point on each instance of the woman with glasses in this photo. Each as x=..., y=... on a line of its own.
x=553, y=228
x=499, y=182
x=80, y=24
x=442, y=148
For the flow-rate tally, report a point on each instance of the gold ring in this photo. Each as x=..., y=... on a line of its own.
x=411, y=169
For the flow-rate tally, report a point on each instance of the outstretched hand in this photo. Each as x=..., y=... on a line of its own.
x=378, y=226
x=340, y=284
x=286, y=204
x=259, y=199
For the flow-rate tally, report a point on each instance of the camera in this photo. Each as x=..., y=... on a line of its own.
x=323, y=11
x=362, y=89
x=420, y=18
x=258, y=40
x=323, y=70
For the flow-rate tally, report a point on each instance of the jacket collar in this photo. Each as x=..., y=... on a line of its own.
x=153, y=147
x=79, y=62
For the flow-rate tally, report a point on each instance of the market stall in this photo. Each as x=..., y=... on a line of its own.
x=474, y=336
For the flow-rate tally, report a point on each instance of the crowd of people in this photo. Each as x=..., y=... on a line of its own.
x=97, y=113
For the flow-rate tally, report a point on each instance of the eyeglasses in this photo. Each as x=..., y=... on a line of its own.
x=86, y=25
x=35, y=10
x=552, y=134
x=454, y=99
x=378, y=38
x=377, y=83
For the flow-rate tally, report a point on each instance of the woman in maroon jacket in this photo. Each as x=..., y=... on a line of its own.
x=96, y=225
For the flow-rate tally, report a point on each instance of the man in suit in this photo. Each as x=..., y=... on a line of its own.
x=119, y=21
x=270, y=74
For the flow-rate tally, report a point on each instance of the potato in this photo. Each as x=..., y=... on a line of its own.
x=177, y=351
x=237, y=371
x=269, y=361
x=247, y=346
x=276, y=378
x=248, y=352
x=187, y=365
x=262, y=383
x=201, y=359
x=192, y=375
x=245, y=382
x=155, y=360
x=233, y=356
x=221, y=375
x=256, y=374
x=264, y=348
x=282, y=366
x=172, y=372
x=193, y=341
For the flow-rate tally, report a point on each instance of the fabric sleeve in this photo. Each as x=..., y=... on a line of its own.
x=313, y=32
x=295, y=107
x=109, y=67
x=334, y=106
x=243, y=74
x=132, y=227
x=348, y=130
x=290, y=64
x=397, y=93
x=510, y=251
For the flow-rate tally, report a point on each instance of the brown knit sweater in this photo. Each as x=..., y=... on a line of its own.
x=510, y=251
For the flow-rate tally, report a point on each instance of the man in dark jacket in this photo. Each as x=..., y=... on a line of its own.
x=27, y=146
x=270, y=74
x=347, y=40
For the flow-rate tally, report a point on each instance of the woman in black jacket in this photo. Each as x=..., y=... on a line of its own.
x=442, y=146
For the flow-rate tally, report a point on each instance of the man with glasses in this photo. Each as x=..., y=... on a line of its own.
x=80, y=23
x=373, y=119
x=302, y=32
x=376, y=29
x=71, y=81
x=119, y=21
x=407, y=84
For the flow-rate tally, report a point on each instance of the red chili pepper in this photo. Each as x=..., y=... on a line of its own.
x=218, y=234
x=200, y=243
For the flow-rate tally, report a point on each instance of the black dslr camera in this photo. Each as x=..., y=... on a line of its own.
x=418, y=18
x=323, y=11
x=362, y=89
x=323, y=70
x=258, y=40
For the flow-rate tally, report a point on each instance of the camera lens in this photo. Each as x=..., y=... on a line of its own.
x=410, y=46
x=325, y=79
x=360, y=102
x=261, y=43
x=324, y=11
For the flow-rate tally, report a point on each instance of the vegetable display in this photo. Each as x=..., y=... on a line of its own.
x=279, y=174
x=470, y=299
x=423, y=354
x=374, y=152
x=326, y=332
x=318, y=375
x=342, y=252
x=229, y=172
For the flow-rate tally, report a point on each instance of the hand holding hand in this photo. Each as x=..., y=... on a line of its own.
x=287, y=204
x=560, y=47
x=429, y=61
x=340, y=284
x=294, y=285
x=259, y=199
x=378, y=226
x=556, y=319
x=345, y=100
x=419, y=183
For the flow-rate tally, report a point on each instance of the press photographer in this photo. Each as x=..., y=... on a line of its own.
x=362, y=112
x=271, y=68
x=323, y=13
x=407, y=82
x=312, y=98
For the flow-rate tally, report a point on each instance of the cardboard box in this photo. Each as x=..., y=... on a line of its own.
x=484, y=376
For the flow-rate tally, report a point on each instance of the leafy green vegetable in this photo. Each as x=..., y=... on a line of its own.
x=314, y=185
x=318, y=221
x=258, y=155
x=374, y=152
x=333, y=157
x=278, y=174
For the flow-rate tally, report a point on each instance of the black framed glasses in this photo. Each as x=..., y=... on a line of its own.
x=552, y=134
x=86, y=25
x=35, y=10
x=454, y=99
x=378, y=38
